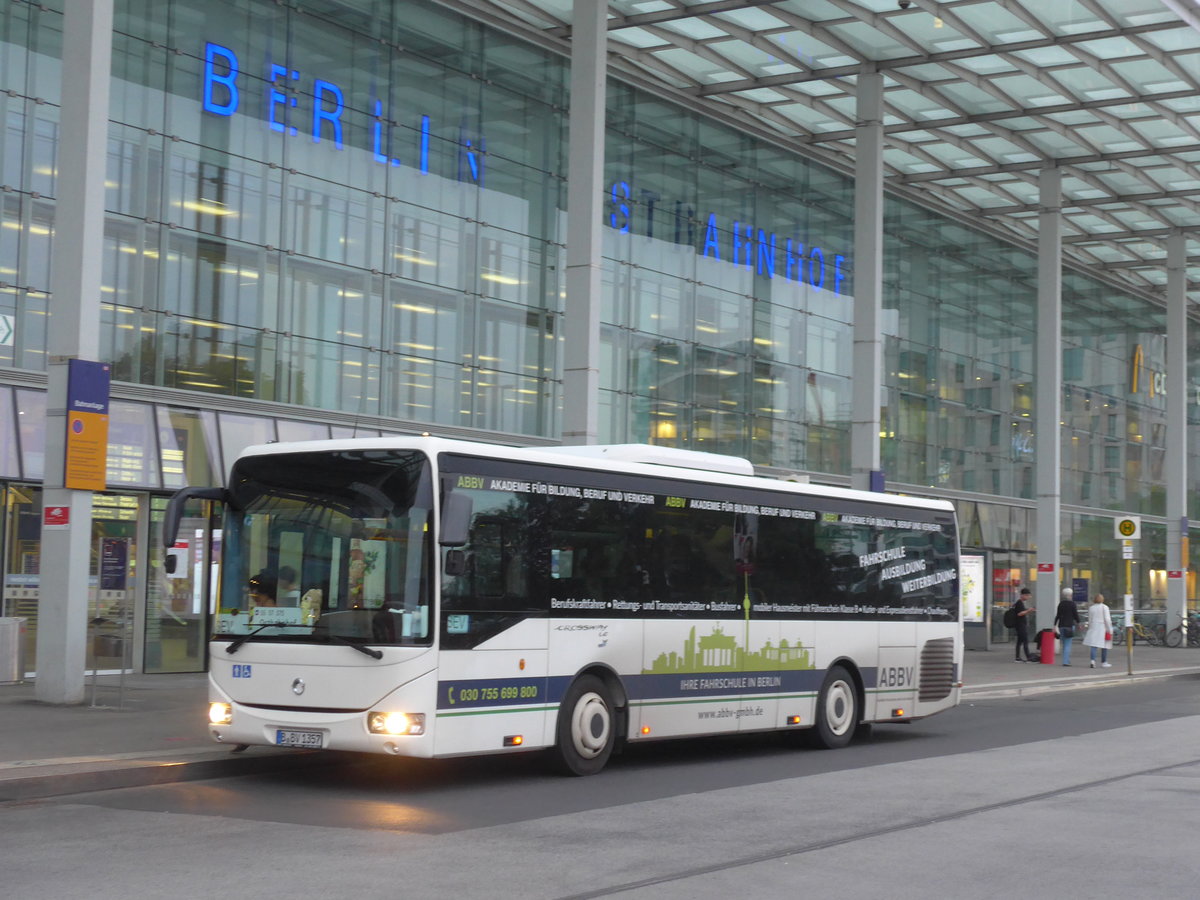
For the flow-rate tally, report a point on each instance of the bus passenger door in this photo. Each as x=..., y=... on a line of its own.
x=492, y=664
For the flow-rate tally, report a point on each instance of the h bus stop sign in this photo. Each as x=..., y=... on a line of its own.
x=1127, y=528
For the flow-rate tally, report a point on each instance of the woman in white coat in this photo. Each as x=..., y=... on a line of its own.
x=1099, y=631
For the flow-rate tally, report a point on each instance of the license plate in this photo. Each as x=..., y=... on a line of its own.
x=285, y=738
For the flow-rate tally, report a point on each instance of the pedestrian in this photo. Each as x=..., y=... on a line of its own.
x=1023, y=610
x=1099, y=631
x=1066, y=618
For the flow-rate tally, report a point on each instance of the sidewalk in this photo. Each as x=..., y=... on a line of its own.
x=153, y=729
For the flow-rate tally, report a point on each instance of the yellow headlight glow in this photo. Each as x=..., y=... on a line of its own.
x=220, y=713
x=395, y=723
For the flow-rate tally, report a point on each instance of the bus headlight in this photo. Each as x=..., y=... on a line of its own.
x=395, y=723
x=220, y=713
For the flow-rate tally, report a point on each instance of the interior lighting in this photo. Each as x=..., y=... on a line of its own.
x=499, y=279
x=204, y=323
x=415, y=260
x=207, y=207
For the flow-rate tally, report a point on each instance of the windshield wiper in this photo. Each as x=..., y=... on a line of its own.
x=361, y=648
x=233, y=648
x=369, y=651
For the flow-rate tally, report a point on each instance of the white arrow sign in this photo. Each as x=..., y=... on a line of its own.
x=6, y=330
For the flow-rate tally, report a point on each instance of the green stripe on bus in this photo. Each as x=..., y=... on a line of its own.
x=495, y=712
x=737, y=698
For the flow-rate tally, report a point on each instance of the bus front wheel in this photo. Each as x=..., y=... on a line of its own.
x=837, y=711
x=586, y=727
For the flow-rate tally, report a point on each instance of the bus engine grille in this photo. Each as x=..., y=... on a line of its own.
x=937, y=669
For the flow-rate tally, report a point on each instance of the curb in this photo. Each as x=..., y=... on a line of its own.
x=1032, y=688
x=42, y=779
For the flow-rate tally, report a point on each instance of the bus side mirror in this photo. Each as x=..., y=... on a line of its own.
x=174, y=513
x=169, y=564
x=456, y=562
x=456, y=519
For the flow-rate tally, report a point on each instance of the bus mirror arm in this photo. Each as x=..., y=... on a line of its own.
x=456, y=562
x=174, y=515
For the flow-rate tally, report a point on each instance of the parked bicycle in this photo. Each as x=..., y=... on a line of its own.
x=1175, y=635
x=1155, y=635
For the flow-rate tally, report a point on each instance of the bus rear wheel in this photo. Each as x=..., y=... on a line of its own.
x=837, y=711
x=586, y=727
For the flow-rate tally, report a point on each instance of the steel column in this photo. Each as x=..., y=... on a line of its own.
x=1048, y=395
x=73, y=334
x=585, y=188
x=868, y=282
x=1177, y=429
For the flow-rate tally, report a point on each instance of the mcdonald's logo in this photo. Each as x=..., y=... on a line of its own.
x=1156, y=381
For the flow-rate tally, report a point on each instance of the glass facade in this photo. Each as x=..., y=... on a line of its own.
x=359, y=208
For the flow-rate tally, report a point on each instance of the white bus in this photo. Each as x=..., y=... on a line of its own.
x=425, y=597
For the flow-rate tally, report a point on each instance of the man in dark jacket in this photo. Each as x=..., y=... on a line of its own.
x=1023, y=610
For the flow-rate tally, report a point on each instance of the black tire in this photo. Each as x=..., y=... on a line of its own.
x=587, y=727
x=837, y=711
x=1175, y=637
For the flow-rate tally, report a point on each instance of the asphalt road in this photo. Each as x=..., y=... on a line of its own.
x=694, y=819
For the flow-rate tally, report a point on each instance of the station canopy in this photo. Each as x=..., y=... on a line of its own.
x=979, y=96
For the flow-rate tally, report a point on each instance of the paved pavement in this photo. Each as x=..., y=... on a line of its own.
x=151, y=729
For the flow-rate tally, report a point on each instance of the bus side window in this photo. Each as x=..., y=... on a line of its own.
x=487, y=559
x=494, y=576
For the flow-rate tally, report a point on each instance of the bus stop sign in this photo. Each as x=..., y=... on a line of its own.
x=1127, y=528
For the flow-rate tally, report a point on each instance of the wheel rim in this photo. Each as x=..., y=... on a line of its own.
x=839, y=708
x=590, y=725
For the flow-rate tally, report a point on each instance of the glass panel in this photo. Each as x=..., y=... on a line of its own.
x=131, y=445
x=189, y=448
x=114, y=582
x=22, y=561
x=345, y=431
x=240, y=432
x=31, y=423
x=175, y=603
x=9, y=464
x=301, y=431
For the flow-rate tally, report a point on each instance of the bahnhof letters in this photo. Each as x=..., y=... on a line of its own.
x=941, y=250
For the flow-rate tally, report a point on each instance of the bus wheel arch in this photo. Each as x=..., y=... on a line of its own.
x=590, y=717
x=839, y=707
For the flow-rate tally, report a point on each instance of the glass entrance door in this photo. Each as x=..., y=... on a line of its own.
x=178, y=603
x=22, y=561
x=115, y=582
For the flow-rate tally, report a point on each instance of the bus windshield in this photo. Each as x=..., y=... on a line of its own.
x=332, y=546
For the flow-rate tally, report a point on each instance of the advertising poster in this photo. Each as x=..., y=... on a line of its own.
x=972, y=574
